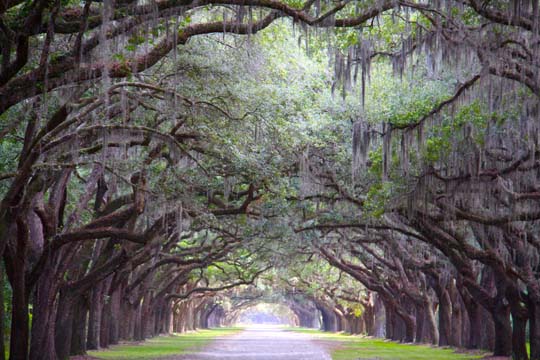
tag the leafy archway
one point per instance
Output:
(374, 160)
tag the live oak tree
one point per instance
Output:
(455, 175)
(138, 200)
(157, 154)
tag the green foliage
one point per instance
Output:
(377, 197)
(402, 102)
(448, 136)
(357, 310)
(434, 147)
(247, 109)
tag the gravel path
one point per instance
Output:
(262, 343)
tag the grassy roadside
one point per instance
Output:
(349, 347)
(162, 346)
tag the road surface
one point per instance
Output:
(262, 343)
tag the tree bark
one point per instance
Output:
(115, 311)
(445, 318)
(474, 312)
(329, 319)
(503, 328)
(64, 324)
(78, 336)
(106, 309)
(19, 313)
(519, 337)
(42, 345)
(369, 319)
(390, 320)
(94, 318)
(2, 313)
(456, 338)
(420, 321)
(410, 325)
(534, 336)
(431, 321)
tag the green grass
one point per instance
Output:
(349, 347)
(163, 345)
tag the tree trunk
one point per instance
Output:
(410, 325)
(474, 313)
(475, 320)
(420, 320)
(19, 317)
(105, 326)
(137, 332)
(115, 311)
(445, 317)
(168, 319)
(390, 322)
(143, 319)
(534, 328)
(127, 332)
(378, 318)
(519, 323)
(519, 338)
(42, 345)
(369, 320)
(329, 319)
(342, 323)
(64, 325)
(488, 330)
(2, 313)
(94, 318)
(78, 336)
(503, 329)
(456, 318)
(399, 328)
(431, 322)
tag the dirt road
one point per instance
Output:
(262, 343)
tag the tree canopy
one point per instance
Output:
(372, 165)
